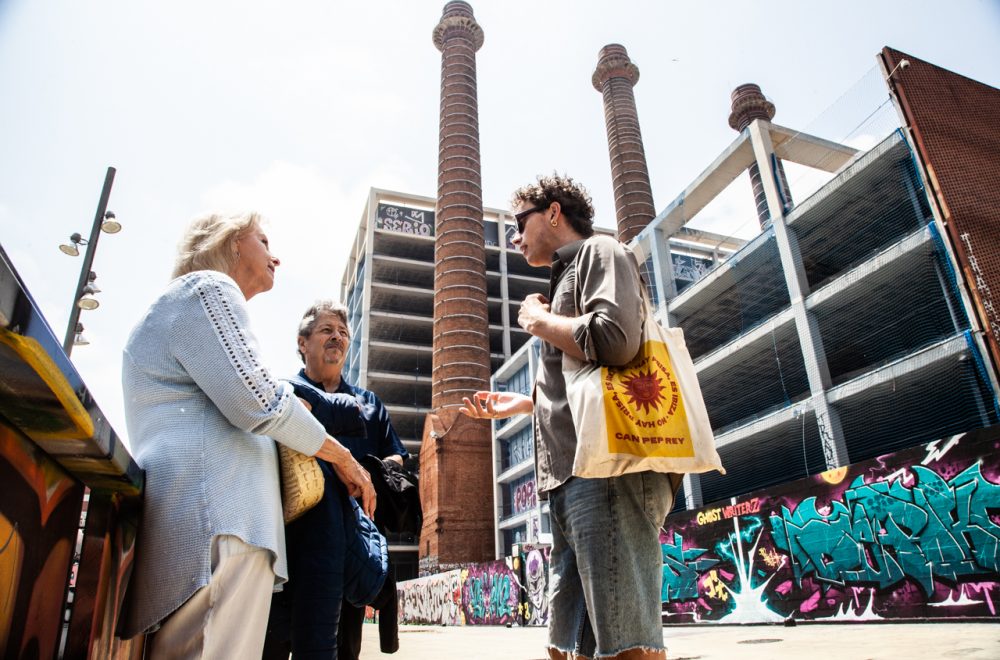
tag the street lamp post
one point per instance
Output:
(88, 261)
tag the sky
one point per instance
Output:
(296, 109)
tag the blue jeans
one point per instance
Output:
(606, 565)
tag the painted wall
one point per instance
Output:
(508, 592)
(435, 599)
(39, 518)
(910, 535)
(534, 564)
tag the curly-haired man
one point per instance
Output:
(605, 566)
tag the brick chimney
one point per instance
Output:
(455, 457)
(749, 104)
(614, 78)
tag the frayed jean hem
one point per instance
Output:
(630, 653)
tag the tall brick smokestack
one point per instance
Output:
(456, 484)
(461, 362)
(749, 104)
(614, 78)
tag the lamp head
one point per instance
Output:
(78, 338)
(90, 288)
(903, 64)
(72, 248)
(88, 302)
(110, 224)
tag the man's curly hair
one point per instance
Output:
(573, 198)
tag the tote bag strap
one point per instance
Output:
(648, 313)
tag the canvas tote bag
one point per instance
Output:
(646, 416)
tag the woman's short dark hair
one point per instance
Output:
(573, 198)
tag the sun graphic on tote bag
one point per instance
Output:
(644, 411)
(644, 390)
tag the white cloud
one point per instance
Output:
(311, 222)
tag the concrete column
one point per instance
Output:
(614, 78)
(369, 257)
(748, 104)
(830, 430)
(693, 498)
(504, 287)
(663, 266)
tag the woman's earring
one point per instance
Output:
(553, 222)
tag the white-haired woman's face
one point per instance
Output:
(255, 265)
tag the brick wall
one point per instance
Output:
(455, 458)
(954, 123)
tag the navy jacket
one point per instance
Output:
(306, 614)
(345, 411)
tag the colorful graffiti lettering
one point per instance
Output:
(434, 599)
(714, 588)
(681, 569)
(729, 511)
(490, 594)
(770, 557)
(914, 534)
(511, 591)
(883, 532)
(524, 496)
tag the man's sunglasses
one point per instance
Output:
(521, 217)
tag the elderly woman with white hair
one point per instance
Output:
(203, 414)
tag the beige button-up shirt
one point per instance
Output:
(596, 282)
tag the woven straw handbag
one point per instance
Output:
(301, 482)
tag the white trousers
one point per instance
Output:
(227, 618)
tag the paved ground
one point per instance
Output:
(882, 641)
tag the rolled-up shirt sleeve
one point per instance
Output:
(609, 327)
(213, 343)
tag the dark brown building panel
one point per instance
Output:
(954, 123)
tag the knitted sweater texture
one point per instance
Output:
(203, 414)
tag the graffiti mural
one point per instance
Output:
(534, 565)
(506, 592)
(39, 518)
(435, 599)
(914, 534)
(490, 594)
(523, 496)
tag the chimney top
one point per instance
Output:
(457, 18)
(749, 104)
(457, 8)
(613, 62)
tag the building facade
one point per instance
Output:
(388, 287)
(844, 331)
